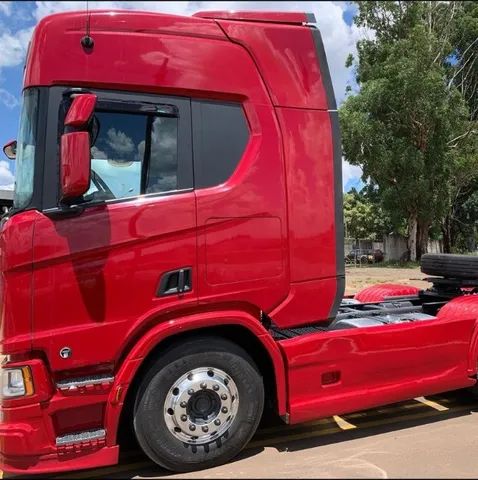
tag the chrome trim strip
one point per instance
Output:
(84, 381)
(80, 437)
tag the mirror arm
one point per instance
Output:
(64, 211)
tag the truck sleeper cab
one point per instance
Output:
(173, 261)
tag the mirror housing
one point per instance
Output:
(10, 149)
(75, 164)
(81, 110)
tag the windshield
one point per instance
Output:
(26, 142)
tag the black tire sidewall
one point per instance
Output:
(450, 265)
(151, 429)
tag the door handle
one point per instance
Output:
(175, 282)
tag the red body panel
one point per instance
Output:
(242, 224)
(307, 135)
(103, 267)
(295, 67)
(377, 365)
(158, 61)
(16, 238)
(262, 245)
(378, 293)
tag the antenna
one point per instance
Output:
(87, 41)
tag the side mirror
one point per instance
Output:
(81, 110)
(10, 150)
(75, 164)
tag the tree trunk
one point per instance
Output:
(446, 230)
(412, 237)
(422, 238)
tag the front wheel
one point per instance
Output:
(198, 405)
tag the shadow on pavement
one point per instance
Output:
(273, 433)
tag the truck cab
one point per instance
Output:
(173, 260)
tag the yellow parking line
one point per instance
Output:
(432, 404)
(289, 428)
(270, 442)
(343, 424)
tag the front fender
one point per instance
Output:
(465, 308)
(160, 332)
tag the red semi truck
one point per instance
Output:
(173, 262)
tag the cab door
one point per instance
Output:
(110, 265)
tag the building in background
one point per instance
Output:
(6, 200)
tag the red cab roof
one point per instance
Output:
(297, 18)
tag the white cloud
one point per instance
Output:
(6, 176)
(120, 142)
(98, 154)
(9, 100)
(6, 8)
(350, 172)
(14, 47)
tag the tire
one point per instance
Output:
(450, 266)
(212, 360)
(472, 391)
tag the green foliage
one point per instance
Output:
(408, 125)
(364, 217)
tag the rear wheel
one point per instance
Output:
(198, 405)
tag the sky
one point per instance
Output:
(18, 19)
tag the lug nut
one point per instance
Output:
(203, 385)
(184, 418)
(205, 429)
(215, 388)
(190, 391)
(183, 404)
(224, 409)
(223, 396)
(217, 422)
(192, 427)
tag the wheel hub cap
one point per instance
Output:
(201, 405)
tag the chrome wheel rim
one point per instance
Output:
(201, 405)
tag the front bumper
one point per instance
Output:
(31, 426)
(52, 463)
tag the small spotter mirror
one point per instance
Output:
(81, 110)
(10, 150)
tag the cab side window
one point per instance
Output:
(132, 153)
(220, 136)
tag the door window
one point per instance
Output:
(132, 153)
